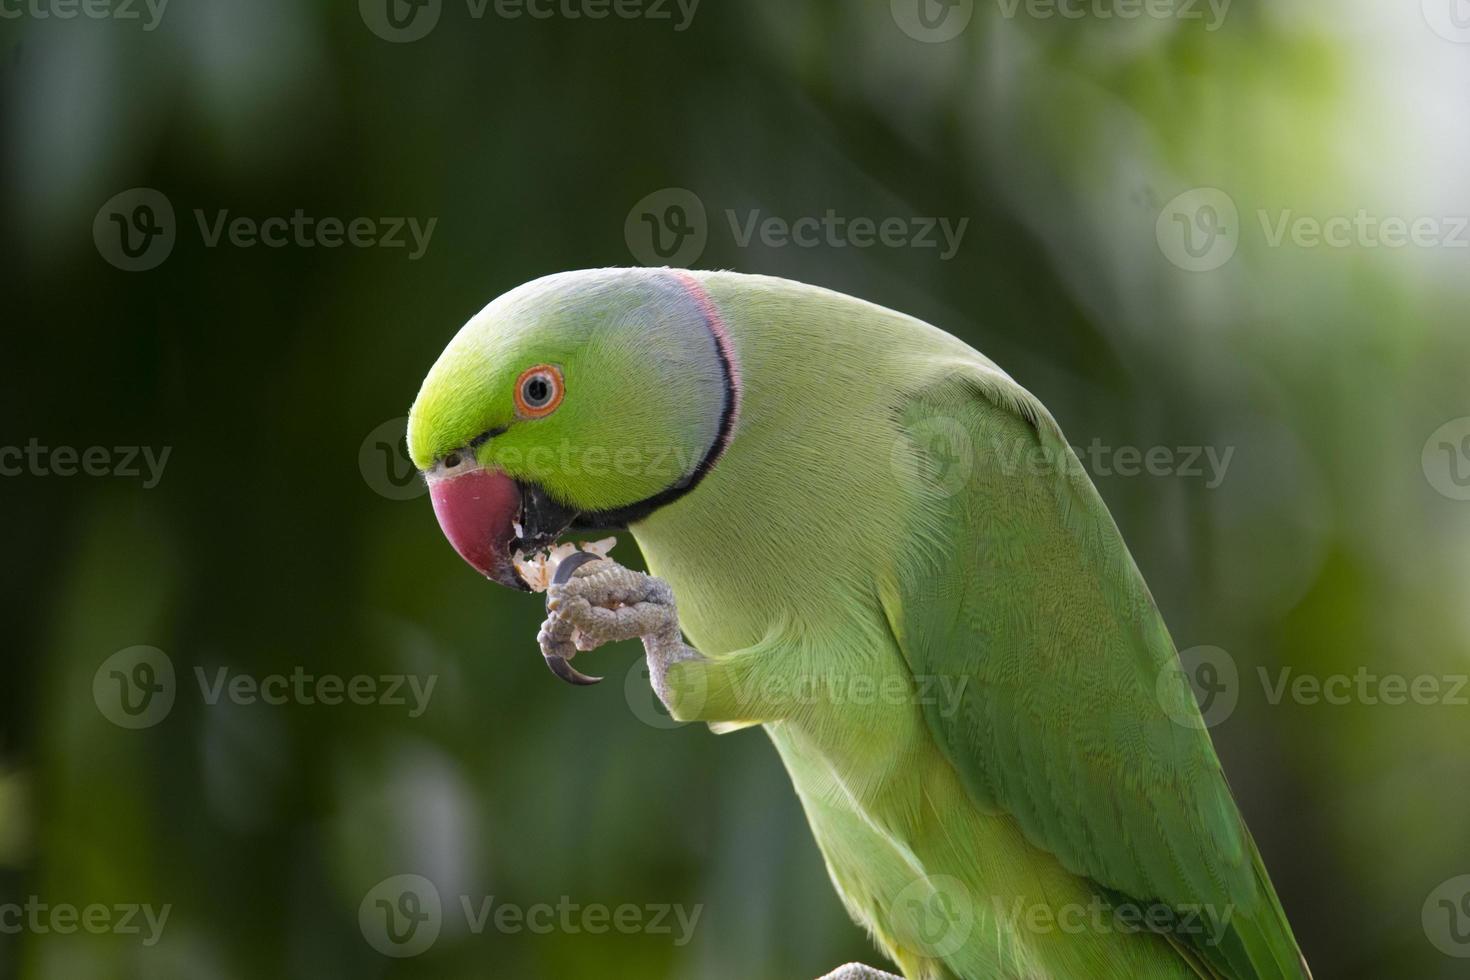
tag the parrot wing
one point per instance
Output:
(1075, 718)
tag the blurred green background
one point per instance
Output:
(280, 534)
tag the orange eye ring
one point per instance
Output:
(539, 390)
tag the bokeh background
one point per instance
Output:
(1123, 179)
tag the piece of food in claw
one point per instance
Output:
(538, 568)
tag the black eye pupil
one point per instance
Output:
(452, 460)
(538, 391)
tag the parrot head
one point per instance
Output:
(575, 402)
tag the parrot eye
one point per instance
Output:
(539, 391)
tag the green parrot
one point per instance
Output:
(884, 552)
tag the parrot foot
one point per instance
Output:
(857, 971)
(598, 601)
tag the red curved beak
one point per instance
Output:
(478, 511)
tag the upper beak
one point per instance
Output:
(478, 510)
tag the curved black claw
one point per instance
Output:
(570, 564)
(562, 668)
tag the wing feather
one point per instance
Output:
(1075, 718)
